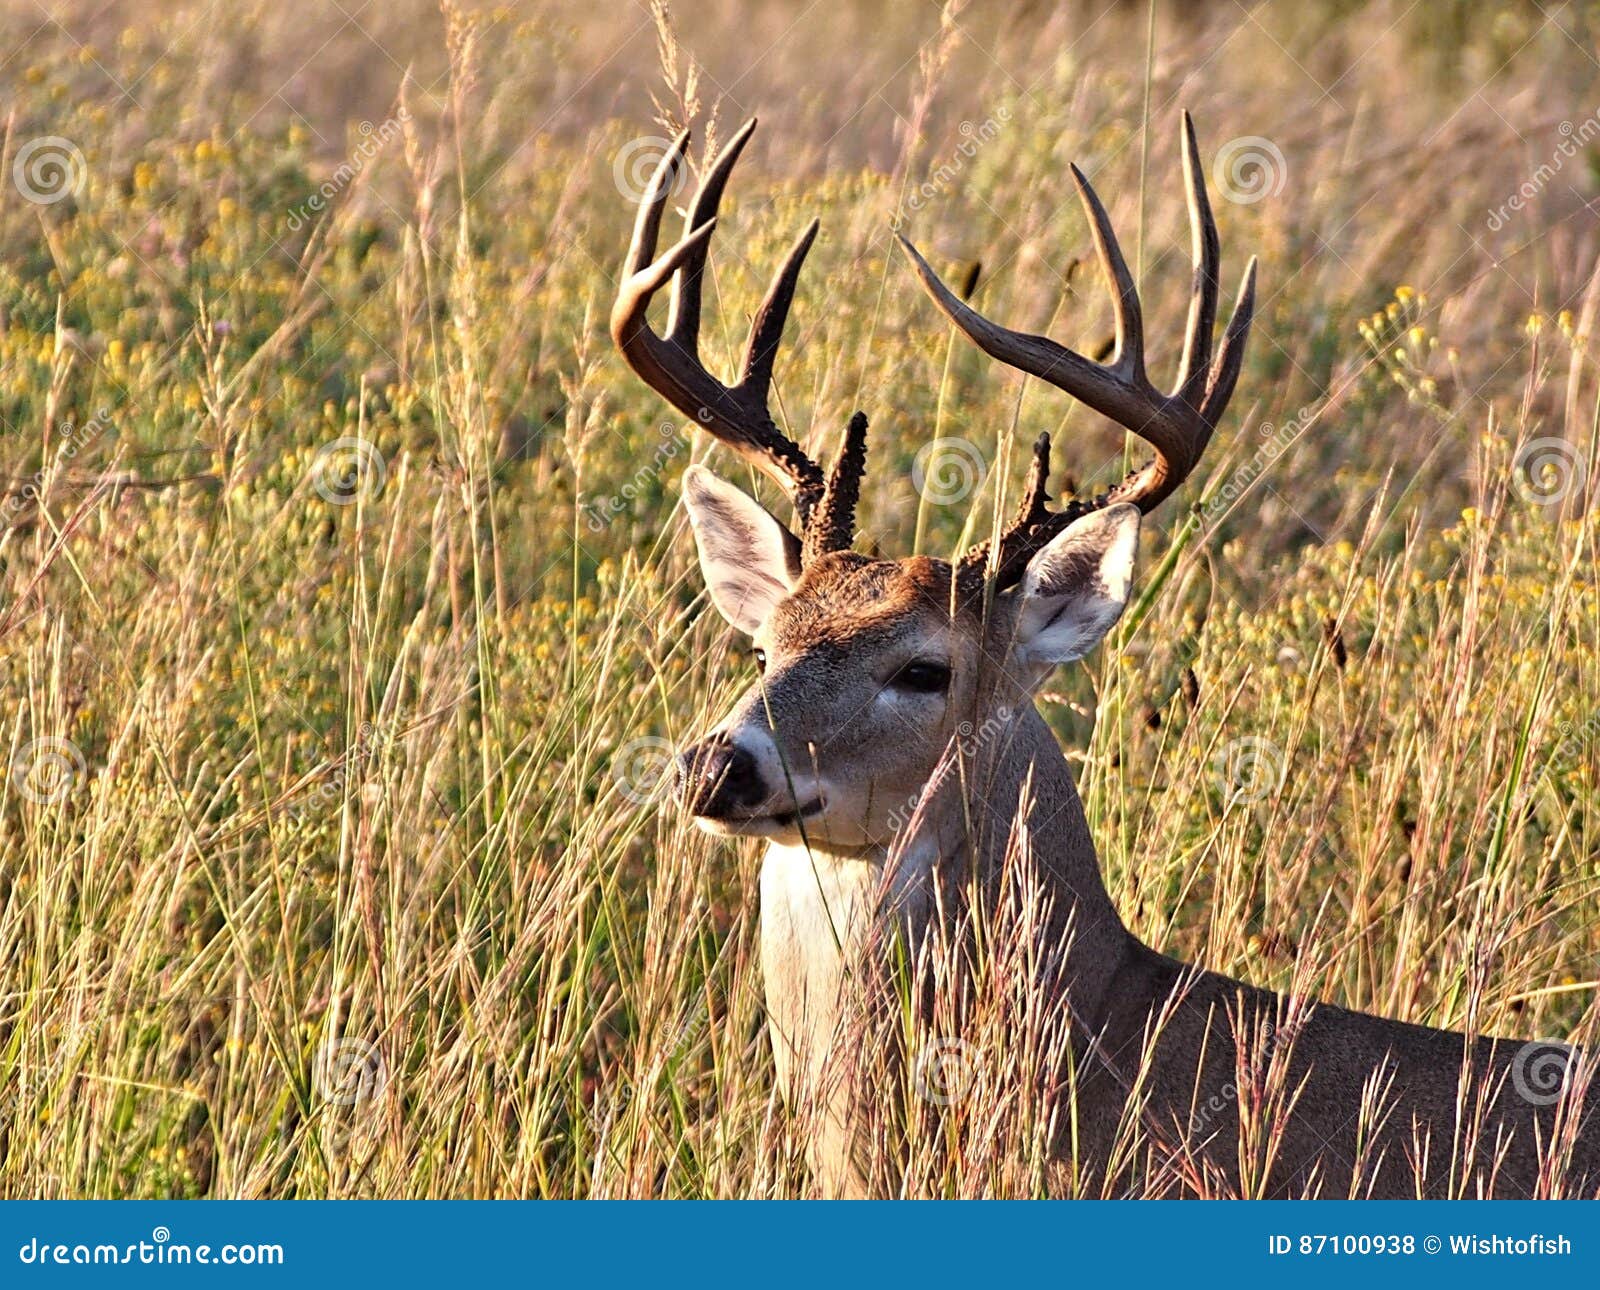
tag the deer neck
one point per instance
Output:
(1005, 783)
(1013, 813)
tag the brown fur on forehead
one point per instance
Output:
(844, 596)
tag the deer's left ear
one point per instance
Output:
(750, 560)
(1075, 589)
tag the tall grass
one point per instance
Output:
(334, 858)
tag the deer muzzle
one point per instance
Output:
(723, 783)
(718, 779)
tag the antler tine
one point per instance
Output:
(1133, 404)
(767, 328)
(1126, 314)
(647, 224)
(1226, 372)
(833, 526)
(1033, 494)
(1036, 355)
(1033, 521)
(1177, 425)
(683, 322)
(1207, 253)
(670, 364)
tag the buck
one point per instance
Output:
(872, 670)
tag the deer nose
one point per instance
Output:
(716, 777)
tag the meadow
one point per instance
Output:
(348, 617)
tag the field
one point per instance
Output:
(349, 615)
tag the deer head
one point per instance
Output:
(870, 667)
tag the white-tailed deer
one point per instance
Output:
(853, 756)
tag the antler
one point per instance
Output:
(1178, 425)
(670, 364)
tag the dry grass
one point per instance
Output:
(351, 784)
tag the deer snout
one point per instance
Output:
(718, 778)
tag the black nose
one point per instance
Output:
(716, 777)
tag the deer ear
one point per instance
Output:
(750, 560)
(1074, 589)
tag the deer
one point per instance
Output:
(872, 668)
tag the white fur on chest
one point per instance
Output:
(815, 912)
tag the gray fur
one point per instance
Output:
(1001, 813)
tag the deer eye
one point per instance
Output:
(760, 656)
(922, 677)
